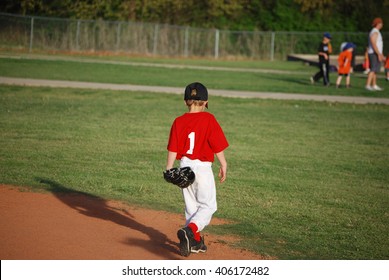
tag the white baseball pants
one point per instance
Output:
(200, 197)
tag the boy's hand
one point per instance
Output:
(222, 173)
(223, 166)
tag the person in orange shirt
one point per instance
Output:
(344, 62)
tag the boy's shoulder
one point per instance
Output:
(342, 54)
(345, 53)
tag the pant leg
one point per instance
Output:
(200, 197)
(326, 73)
(319, 74)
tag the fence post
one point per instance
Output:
(273, 35)
(186, 43)
(31, 33)
(118, 36)
(78, 36)
(217, 35)
(156, 31)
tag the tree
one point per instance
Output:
(273, 15)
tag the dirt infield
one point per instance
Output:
(74, 226)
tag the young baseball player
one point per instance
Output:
(195, 137)
(344, 62)
(324, 51)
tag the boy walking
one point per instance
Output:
(324, 51)
(344, 62)
(195, 137)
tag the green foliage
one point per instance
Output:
(281, 15)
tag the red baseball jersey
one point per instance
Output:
(196, 136)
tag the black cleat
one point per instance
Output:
(186, 236)
(199, 247)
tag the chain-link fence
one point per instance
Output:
(53, 34)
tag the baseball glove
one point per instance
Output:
(181, 177)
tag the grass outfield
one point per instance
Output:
(243, 75)
(307, 180)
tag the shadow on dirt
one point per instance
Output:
(96, 207)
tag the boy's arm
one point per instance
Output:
(171, 157)
(329, 48)
(346, 62)
(324, 55)
(223, 166)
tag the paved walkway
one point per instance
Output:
(175, 90)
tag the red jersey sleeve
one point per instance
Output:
(173, 140)
(217, 139)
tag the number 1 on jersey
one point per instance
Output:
(191, 137)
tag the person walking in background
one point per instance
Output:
(376, 46)
(353, 56)
(324, 51)
(345, 64)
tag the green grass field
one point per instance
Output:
(294, 77)
(307, 180)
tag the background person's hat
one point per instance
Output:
(349, 46)
(327, 35)
(196, 91)
(376, 21)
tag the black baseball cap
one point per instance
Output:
(196, 91)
